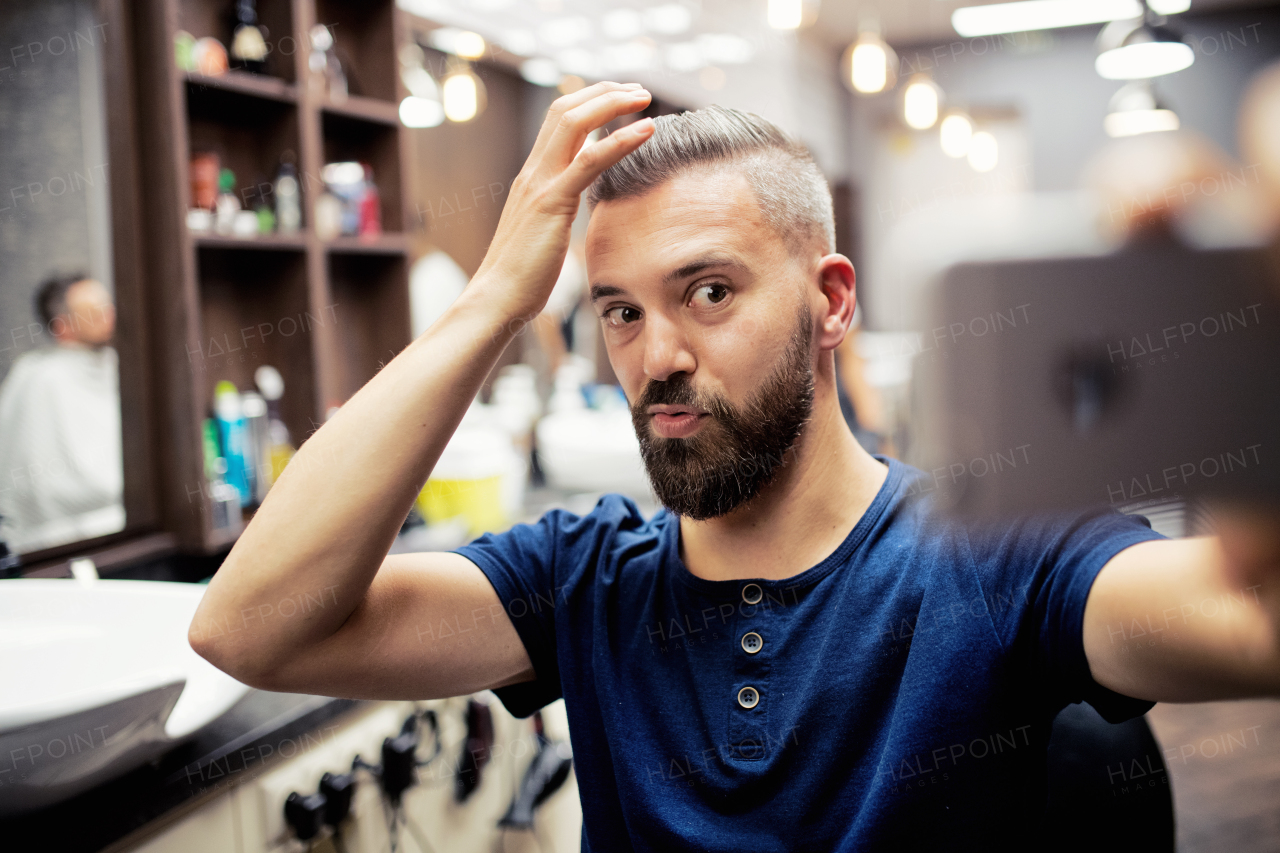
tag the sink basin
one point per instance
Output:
(98, 679)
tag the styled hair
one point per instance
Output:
(792, 192)
(51, 297)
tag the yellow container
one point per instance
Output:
(478, 500)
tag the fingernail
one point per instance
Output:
(631, 86)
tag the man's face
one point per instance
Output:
(91, 316)
(708, 325)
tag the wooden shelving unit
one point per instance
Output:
(327, 314)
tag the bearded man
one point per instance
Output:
(793, 654)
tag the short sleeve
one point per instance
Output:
(520, 563)
(1036, 575)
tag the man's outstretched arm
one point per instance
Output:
(1188, 620)
(320, 538)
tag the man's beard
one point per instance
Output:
(739, 450)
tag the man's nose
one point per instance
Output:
(666, 348)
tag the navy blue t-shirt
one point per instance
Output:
(899, 693)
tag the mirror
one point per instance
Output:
(61, 472)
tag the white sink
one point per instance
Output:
(95, 680)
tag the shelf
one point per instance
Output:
(244, 83)
(366, 109)
(346, 138)
(266, 242)
(364, 37)
(383, 244)
(214, 18)
(371, 317)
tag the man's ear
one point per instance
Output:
(837, 280)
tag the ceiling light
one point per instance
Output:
(421, 112)
(540, 71)
(1135, 109)
(996, 18)
(785, 14)
(463, 95)
(984, 152)
(956, 133)
(416, 78)
(580, 61)
(684, 56)
(920, 102)
(869, 66)
(1137, 50)
(469, 45)
(520, 42)
(562, 32)
(725, 48)
(1168, 7)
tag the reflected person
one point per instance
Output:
(61, 469)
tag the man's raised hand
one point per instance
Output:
(528, 249)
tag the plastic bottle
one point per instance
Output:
(288, 205)
(228, 205)
(231, 432)
(370, 206)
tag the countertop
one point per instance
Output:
(262, 729)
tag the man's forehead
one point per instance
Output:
(690, 212)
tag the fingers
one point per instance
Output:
(556, 115)
(601, 155)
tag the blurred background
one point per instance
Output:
(220, 218)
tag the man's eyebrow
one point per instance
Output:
(600, 291)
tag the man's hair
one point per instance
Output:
(792, 192)
(51, 297)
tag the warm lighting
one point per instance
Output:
(463, 96)
(1135, 110)
(421, 112)
(920, 103)
(996, 18)
(785, 14)
(956, 133)
(984, 153)
(469, 45)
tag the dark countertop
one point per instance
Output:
(259, 731)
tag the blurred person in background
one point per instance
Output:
(61, 466)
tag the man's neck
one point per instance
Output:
(827, 482)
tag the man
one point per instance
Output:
(61, 466)
(791, 655)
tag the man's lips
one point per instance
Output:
(671, 421)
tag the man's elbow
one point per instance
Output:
(236, 660)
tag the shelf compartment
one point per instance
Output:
(371, 305)
(254, 311)
(364, 36)
(250, 134)
(216, 18)
(349, 138)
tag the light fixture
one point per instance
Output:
(1168, 7)
(1135, 109)
(996, 18)
(785, 14)
(462, 94)
(920, 102)
(984, 152)
(1133, 50)
(869, 66)
(469, 45)
(956, 134)
(421, 112)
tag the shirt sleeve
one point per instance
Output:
(521, 564)
(1036, 576)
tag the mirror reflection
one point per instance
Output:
(61, 471)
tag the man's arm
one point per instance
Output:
(317, 547)
(1183, 620)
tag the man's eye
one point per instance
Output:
(620, 315)
(710, 294)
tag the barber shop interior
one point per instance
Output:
(639, 426)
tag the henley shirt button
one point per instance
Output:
(752, 642)
(751, 593)
(748, 697)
